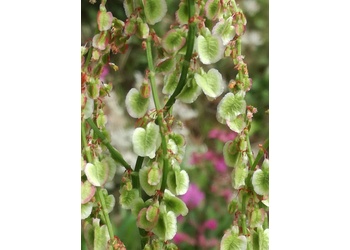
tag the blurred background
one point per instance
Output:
(210, 189)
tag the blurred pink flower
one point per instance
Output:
(193, 197)
(210, 224)
(222, 135)
(216, 159)
(220, 165)
(104, 73)
(182, 237)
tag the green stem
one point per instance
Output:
(249, 152)
(159, 115)
(114, 153)
(152, 74)
(243, 224)
(105, 213)
(83, 138)
(260, 154)
(187, 59)
(135, 178)
(88, 58)
(239, 53)
(234, 5)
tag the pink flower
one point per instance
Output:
(104, 73)
(222, 135)
(182, 237)
(193, 197)
(210, 224)
(220, 165)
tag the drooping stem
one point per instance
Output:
(260, 154)
(187, 59)
(114, 153)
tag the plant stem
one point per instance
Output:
(152, 74)
(99, 190)
(105, 213)
(159, 114)
(88, 58)
(260, 154)
(234, 5)
(114, 153)
(249, 152)
(187, 59)
(83, 138)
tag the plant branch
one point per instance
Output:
(249, 152)
(105, 213)
(114, 153)
(260, 154)
(187, 59)
(85, 146)
(159, 114)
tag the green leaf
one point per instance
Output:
(88, 108)
(260, 180)
(210, 48)
(170, 83)
(212, 8)
(110, 164)
(128, 7)
(145, 140)
(109, 201)
(190, 92)
(167, 226)
(93, 88)
(181, 14)
(152, 212)
(231, 105)
(154, 10)
(165, 65)
(225, 30)
(96, 173)
(137, 205)
(101, 119)
(127, 197)
(266, 202)
(100, 41)
(88, 231)
(210, 82)
(101, 238)
(257, 217)
(174, 204)
(86, 210)
(143, 222)
(239, 174)
(232, 241)
(87, 192)
(136, 105)
(149, 189)
(178, 180)
(263, 238)
(179, 139)
(173, 40)
(104, 20)
(182, 182)
(232, 155)
(154, 175)
(237, 124)
(142, 30)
